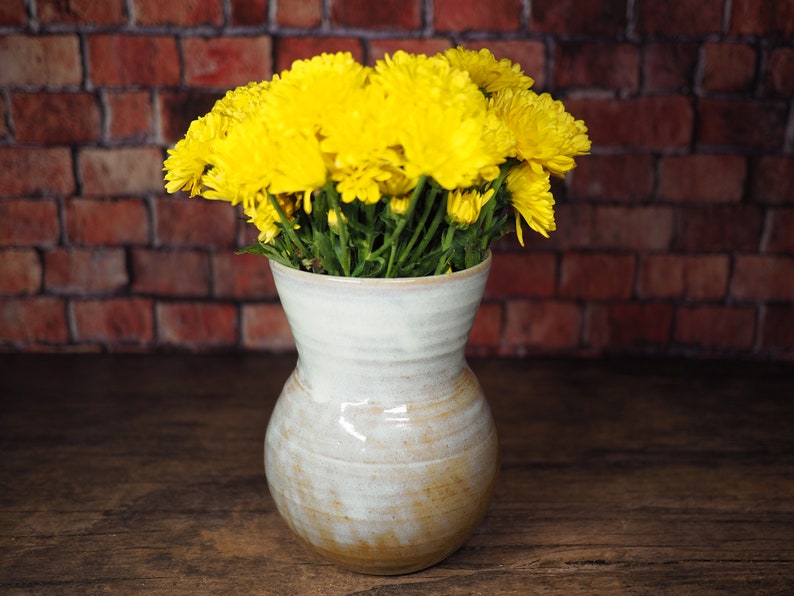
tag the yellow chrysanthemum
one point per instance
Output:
(189, 158)
(301, 97)
(331, 128)
(397, 184)
(442, 117)
(399, 205)
(464, 206)
(530, 195)
(300, 167)
(359, 141)
(333, 220)
(544, 132)
(264, 216)
(242, 164)
(251, 160)
(242, 101)
(361, 183)
(487, 72)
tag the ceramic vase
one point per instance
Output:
(381, 453)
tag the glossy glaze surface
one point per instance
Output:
(381, 453)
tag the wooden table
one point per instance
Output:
(143, 474)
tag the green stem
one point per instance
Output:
(390, 266)
(431, 232)
(446, 246)
(497, 186)
(344, 253)
(287, 225)
(365, 255)
(420, 225)
(387, 243)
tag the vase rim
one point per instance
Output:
(456, 275)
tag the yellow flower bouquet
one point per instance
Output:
(413, 167)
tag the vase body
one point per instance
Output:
(381, 453)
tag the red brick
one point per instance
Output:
(13, 13)
(247, 233)
(300, 13)
(603, 18)
(669, 66)
(20, 272)
(622, 326)
(29, 222)
(130, 115)
(718, 227)
(778, 73)
(621, 177)
(36, 170)
(702, 178)
(522, 274)
(290, 49)
(51, 60)
(195, 222)
(746, 124)
(114, 320)
(662, 276)
(4, 130)
(635, 227)
(265, 327)
(179, 109)
(778, 327)
(664, 122)
(728, 66)
(170, 273)
(81, 12)
(706, 277)
(574, 230)
(84, 271)
(698, 277)
(385, 14)
(772, 181)
(196, 325)
(597, 276)
(487, 329)
(131, 60)
(604, 65)
(542, 324)
(251, 12)
(763, 278)
(764, 19)
(56, 117)
(780, 237)
(109, 222)
(225, 62)
(471, 15)
(185, 13)
(717, 327)
(529, 54)
(679, 18)
(32, 320)
(121, 171)
(378, 48)
(242, 276)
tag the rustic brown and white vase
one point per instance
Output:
(381, 453)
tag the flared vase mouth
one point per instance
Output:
(478, 269)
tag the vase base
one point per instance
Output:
(368, 560)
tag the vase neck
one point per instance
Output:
(404, 334)
(404, 355)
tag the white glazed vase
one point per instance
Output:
(381, 453)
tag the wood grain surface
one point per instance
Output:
(144, 474)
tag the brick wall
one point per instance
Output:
(675, 237)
